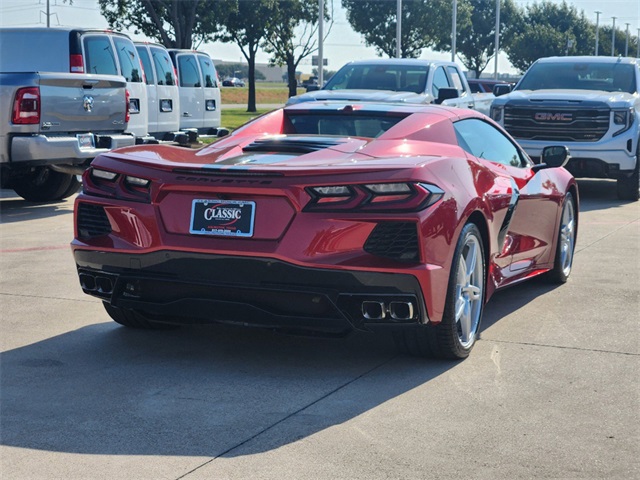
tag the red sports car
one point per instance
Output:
(327, 217)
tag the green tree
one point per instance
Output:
(476, 29)
(293, 36)
(247, 23)
(605, 42)
(173, 23)
(423, 24)
(548, 29)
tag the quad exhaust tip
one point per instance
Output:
(372, 310)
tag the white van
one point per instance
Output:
(199, 91)
(82, 50)
(162, 90)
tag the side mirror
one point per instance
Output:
(313, 88)
(446, 94)
(553, 157)
(501, 89)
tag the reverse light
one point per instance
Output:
(137, 182)
(103, 174)
(389, 188)
(339, 191)
(624, 118)
(26, 106)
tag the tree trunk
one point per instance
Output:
(291, 76)
(251, 101)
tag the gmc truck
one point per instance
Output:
(589, 104)
(400, 80)
(53, 125)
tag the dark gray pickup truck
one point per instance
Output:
(53, 125)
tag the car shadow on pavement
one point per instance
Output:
(108, 390)
(15, 209)
(598, 194)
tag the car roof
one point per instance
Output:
(587, 58)
(399, 61)
(66, 30)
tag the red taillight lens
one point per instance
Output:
(26, 106)
(76, 64)
(127, 98)
(377, 197)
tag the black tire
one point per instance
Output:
(629, 187)
(566, 243)
(447, 339)
(74, 186)
(134, 319)
(43, 185)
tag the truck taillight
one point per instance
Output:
(76, 64)
(26, 106)
(127, 98)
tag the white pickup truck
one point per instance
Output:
(589, 104)
(400, 80)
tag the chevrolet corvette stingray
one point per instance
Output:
(327, 217)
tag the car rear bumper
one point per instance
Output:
(33, 148)
(183, 287)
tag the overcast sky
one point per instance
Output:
(342, 45)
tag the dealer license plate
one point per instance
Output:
(85, 140)
(228, 218)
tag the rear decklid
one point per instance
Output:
(76, 103)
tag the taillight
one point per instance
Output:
(26, 106)
(76, 64)
(376, 197)
(127, 99)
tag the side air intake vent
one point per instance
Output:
(292, 144)
(395, 240)
(92, 221)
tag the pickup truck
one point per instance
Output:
(589, 104)
(400, 80)
(54, 125)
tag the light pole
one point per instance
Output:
(598, 12)
(399, 29)
(454, 33)
(497, 40)
(320, 41)
(626, 42)
(613, 37)
(638, 45)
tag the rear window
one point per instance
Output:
(209, 71)
(401, 78)
(609, 77)
(163, 65)
(129, 61)
(368, 125)
(146, 64)
(99, 55)
(188, 71)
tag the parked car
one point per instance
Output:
(199, 91)
(162, 90)
(399, 80)
(329, 217)
(232, 82)
(590, 104)
(483, 85)
(80, 50)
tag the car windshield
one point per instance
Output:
(398, 78)
(609, 77)
(356, 124)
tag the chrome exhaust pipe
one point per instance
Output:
(104, 284)
(401, 310)
(373, 310)
(87, 282)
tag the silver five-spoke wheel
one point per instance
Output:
(469, 291)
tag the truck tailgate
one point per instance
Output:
(73, 102)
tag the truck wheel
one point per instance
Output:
(43, 185)
(629, 187)
(454, 337)
(134, 319)
(74, 186)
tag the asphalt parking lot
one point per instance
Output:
(551, 390)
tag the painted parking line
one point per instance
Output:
(34, 249)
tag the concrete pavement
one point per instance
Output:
(550, 391)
